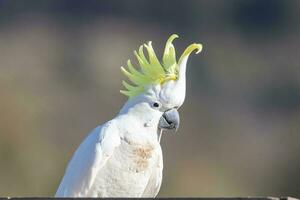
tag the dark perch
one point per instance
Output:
(203, 198)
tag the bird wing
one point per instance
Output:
(88, 159)
(155, 179)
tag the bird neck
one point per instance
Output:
(141, 116)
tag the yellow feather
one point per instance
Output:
(152, 70)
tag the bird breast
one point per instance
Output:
(142, 157)
(128, 171)
(140, 154)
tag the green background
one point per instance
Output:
(60, 77)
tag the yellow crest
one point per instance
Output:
(151, 70)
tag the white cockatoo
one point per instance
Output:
(123, 157)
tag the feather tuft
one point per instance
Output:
(152, 71)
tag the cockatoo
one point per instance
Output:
(123, 157)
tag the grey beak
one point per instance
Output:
(169, 120)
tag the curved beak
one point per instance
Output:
(169, 120)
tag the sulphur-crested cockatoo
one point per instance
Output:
(123, 157)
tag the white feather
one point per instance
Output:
(122, 158)
(155, 180)
(88, 159)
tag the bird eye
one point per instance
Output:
(156, 105)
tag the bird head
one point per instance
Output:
(158, 89)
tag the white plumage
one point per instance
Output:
(123, 157)
(116, 160)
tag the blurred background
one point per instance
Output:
(60, 77)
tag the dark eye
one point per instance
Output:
(156, 105)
